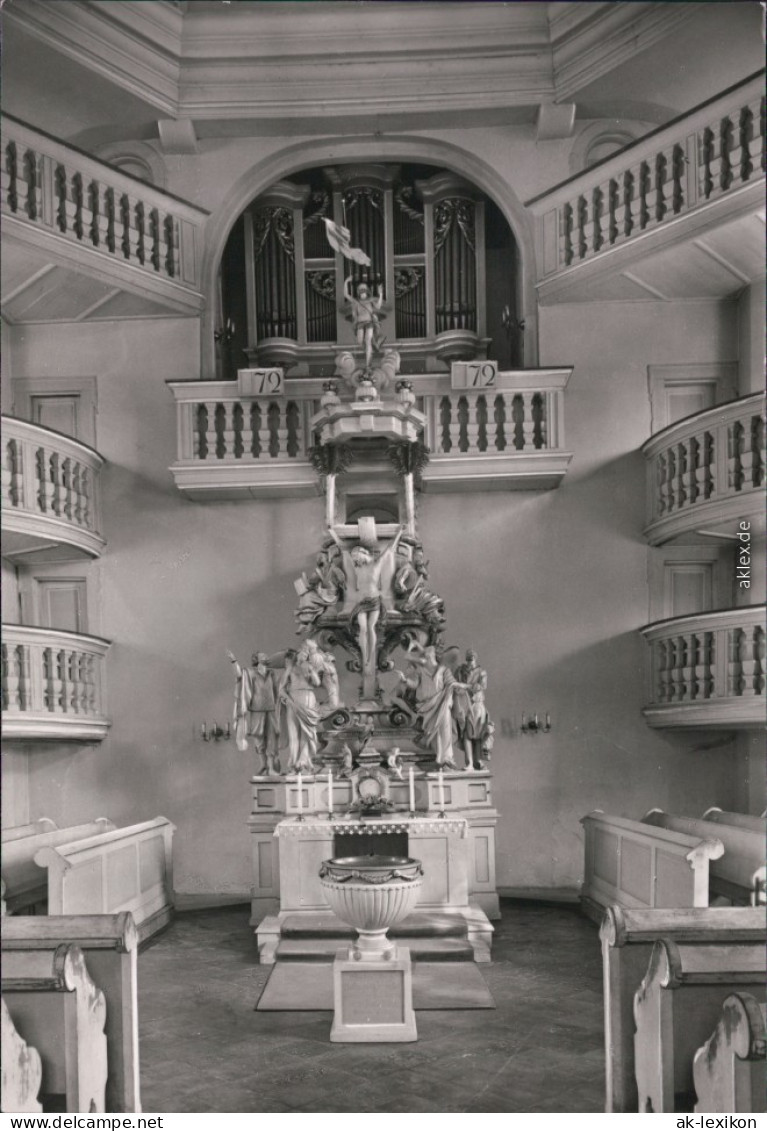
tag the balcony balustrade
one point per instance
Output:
(712, 159)
(507, 437)
(53, 684)
(50, 488)
(62, 204)
(706, 472)
(708, 669)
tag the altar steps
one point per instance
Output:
(430, 936)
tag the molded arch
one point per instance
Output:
(424, 150)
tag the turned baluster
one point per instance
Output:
(661, 484)
(545, 400)
(68, 202)
(665, 660)
(282, 430)
(264, 431)
(110, 218)
(528, 422)
(13, 474)
(759, 650)
(227, 431)
(140, 223)
(627, 196)
(708, 165)
(689, 481)
(690, 664)
(704, 465)
(598, 197)
(72, 682)
(86, 513)
(645, 193)
(66, 487)
(671, 492)
(679, 644)
(9, 177)
(171, 263)
(661, 176)
(584, 228)
(62, 673)
(11, 701)
(757, 450)
(32, 185)
(734, 456)
(744, 165)
(566, 250)
(748, 663)
(97, 226)
(76, 488)
(704, 679)
(678, 178)
(503, 416)
(211, 440)
(682, 475)
(45, 486)
(454, 425)
(734, 669)
(726, 145)
(472, 424)
(615, 211)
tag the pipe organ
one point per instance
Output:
(426, 242)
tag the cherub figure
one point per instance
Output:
(365, 310)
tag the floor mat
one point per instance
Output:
(436, 985)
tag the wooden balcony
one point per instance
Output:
(508, 438)
(51, 495)
(53, 685)
(674, 215)
(83, 241)
(708, 670)
(705, 474)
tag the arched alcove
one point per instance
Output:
(288, 165)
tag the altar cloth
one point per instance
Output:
(308, 986)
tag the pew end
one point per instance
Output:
(21, 1071)
(728, 1070)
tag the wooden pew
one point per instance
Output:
(677, 1006)
(110, 946)
(739, 820)
(728, 1071)
(25, 882)
(59, 1010)
(21, 1070)
(17, 832)
(739, 874)
(627, 937)
(127, 869)
(637, 865)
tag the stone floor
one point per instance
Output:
(205, 1049)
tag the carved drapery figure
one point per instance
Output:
(296, 696)
(475, 730)
(255, 711)
(434, 685)
(412, 594)
(318, 592)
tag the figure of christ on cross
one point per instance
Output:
(365, 592)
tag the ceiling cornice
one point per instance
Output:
(135, 45)
(590, 40)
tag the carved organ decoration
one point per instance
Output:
(425, 240)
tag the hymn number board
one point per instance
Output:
(261, 382)
(473, 374)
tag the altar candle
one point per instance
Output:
(330, 793)
(300, 796)
(441, 790)
(411, 785)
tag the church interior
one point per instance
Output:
(383, 550)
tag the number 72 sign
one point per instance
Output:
(473, 374)
(260, 382)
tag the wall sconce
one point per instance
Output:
(531, 724)
(215, 732)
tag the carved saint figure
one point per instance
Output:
(364, 586)
(434, 685)
(412, 593)
(318, 592)
(324, 664)
(365, 309)
(296, 694)
(475, 730)
(255, 711)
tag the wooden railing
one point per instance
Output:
(694, 161)
(706, 468)
(230, 444)
(50, 487)
(53, 684)
(51, 186)
(708, 669)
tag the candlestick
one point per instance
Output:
(330, 793)
(300, 799)
(411, 789)
(441, 786)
